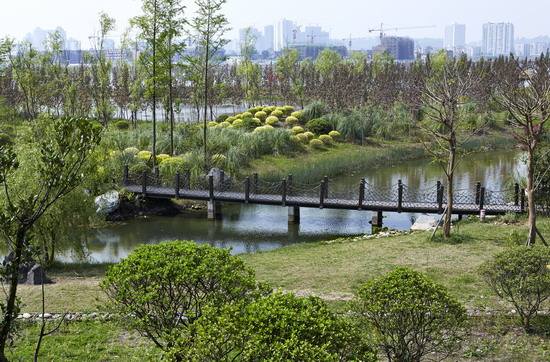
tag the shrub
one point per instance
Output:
(162, 157)
(326, 139)
(297, 114)
(309, 135)
(224, 124)
(231, 119)
(238, 123)
(277, 113)
(335, 135)
(212, 124)
(303, 138)
(268, 110)
(139, 168)
(246, 115)
(130, 151)
(288, 109)
(412, 317)
(170, 166)
(122, 125)
(166, 287)
(261, 115)
(279, 327)
(251, 123)
(265, 128)
(222, 118)
(218, 160)
(317, 144)
(272, 120)
(319, 126)
(297, 130)
(144, 156)
(313, 111)
(521, 276)
(292, 121)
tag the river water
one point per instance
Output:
(252, 228)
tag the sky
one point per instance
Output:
(341, 17)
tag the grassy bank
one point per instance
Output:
(344, 158)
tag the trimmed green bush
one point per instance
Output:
(212, 124)
(130, 151)
(246, 115)
(319, 126)
(272, 120)
(326, 139)
(288, 109)
(277, 113)
(297, 130)
(335, 135)
(297, 114)
(238, 123)
(139, 168)
(162, 157)
(251, 123)
(261, 115)
(122, 125)
(170, 166)
(144, 156)
(317, 144)
(521, 276)
(166, 287)
(303, 138)
(309, 135)
(265, 128)
(231, 119)
(222, 118)
(224, 124)
(292, 121)
(412, 316)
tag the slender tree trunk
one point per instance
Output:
(450, 188)
(9, 314)
(206, 64)
(531, 239)
(170, 97)
(155, 87)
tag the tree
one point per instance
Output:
(208, 28)
(60, 148)
(411, 315)
(520, 276)
(327, 61)
(449, 84)
(101, 70)
(166, 287)
(249, 72)
(523, 90)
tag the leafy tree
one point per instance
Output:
(166, 287)
(249, 72)
(327, 61)
(523, 90)
(287, 69)
(208, 28)
(520, 276)
(60, 149)
(412, 316)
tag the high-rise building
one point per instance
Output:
(455, 37)
(498, 39)
(286, 33)
(269, 37)
(316, 35)
(398, 47)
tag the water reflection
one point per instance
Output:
(251, 228)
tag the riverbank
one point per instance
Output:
(329, 269)
(346, 158)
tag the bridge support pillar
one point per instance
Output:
(293, 215)
(214, 210)
(377, 222)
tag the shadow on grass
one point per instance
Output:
(79, 269)
(455, 238)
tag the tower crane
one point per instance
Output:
(382, 30)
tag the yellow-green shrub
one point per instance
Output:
(326, 139)
(144, 155)
(212, 124)
(303, 138)
(246, 115)
(130, 151)
(225, 124)
(272, 120)
(277, 113)
(335, 135)
(265, 128)
(162, 157)
(298, 114)
(309, 135)
(297, 130)
(238, 123)
(261, 115)
(316, 144)
(292, 121)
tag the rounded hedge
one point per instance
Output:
(139, 168)
(170, 166)
(265, 128)
(292, 121)
(277, 113)
(122, 125)
(224, 124)
(297, 130)
(319, 126)
(272, 120)
(252, 123)
(309, 135)
(231, 119)
(238, 123)
(326, 139)
(303, 138)
(247, 115)
(166, 287)
(297, 114)
(222, 118)
(261, 115)
(288, 109)
(411, 315)
(316, 143)
(162, 157)
(212, 124)
(335, 135)
(144, 155)
(130, 151)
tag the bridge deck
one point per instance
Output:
(314, 202)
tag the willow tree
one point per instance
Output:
(523, 90)
(448, 86)
(208, 29)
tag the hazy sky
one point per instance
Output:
(341, 17)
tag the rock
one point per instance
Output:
(107, 203)
(424, 223)
(37, 276)
(27, 316)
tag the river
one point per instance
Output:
(252, 228)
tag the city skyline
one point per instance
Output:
(341, 19)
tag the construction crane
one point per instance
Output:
(382, 30)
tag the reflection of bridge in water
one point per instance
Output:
(294, 195)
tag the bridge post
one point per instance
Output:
(399, 196)
(211, 187)
(294, 215)
(325, 179)
(255, 182)
(283, 193)
(177, 184)
(377, 222)
(478, 192)
(481, 198)
(322, 195)
(144, 183)
(361, 193)
(522, 200)
(516, 194)
(214, 208)
(247, 190)
(126, 175)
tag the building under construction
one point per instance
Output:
(400, 48)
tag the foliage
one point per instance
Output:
(316, 143)
(122, 125)
(297, 130)
(313, 111)
(292, 121)
(326, 139)
(412, 316)
(319, 126)
(335, 135)
(521, 276)
(272, 120)
(261, 115)
(166, 287)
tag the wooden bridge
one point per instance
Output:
(287, 193)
